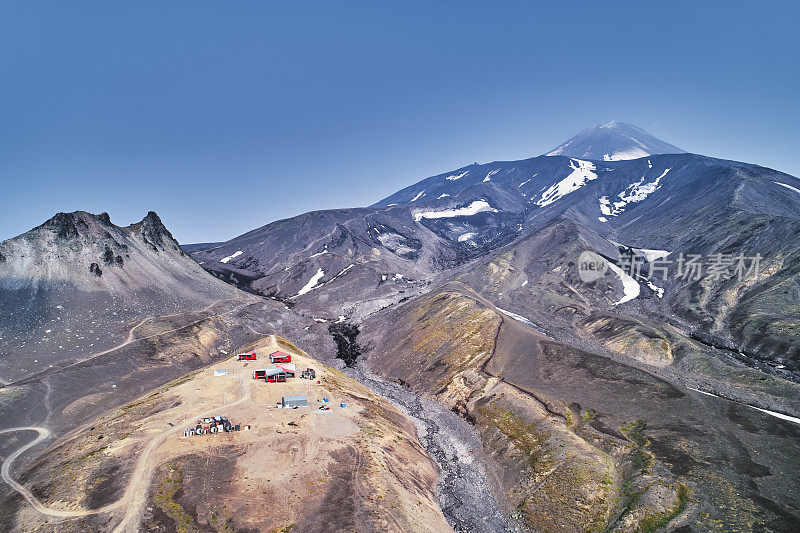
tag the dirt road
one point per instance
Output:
(131, 339)
(136, 493)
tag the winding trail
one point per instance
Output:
(135, 495)
(136, 492)
(42, 435)
(132, 339)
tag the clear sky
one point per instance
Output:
(224, 116)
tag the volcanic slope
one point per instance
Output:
(583, 441)
(550, 368)
(667, 207)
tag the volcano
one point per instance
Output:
(613, 141)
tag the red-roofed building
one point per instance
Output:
(289, 369)
(280, 357)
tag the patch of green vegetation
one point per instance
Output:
(654, 522)
(631, 492)
(372, 431)
(568, 415)
(93, 453)
(71, 465)
(642, 457)
(284, 529)
(524, 435)
(456, 334)
(137, 403)
(606, 481)
(332, 380)
(163, 498)
(630, 496)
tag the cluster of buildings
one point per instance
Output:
(281, 369)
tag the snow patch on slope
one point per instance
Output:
(630, 287)
(232, 256)
(633, 153)
(635, 192)
(522, 319)
(788, 186)
(312, 283)
(581, 174)
(395, 243)
(475, 207)
(517, 317)
(341, 273)
(490, 174)
(656, 289)
(418, 196)
(771, 413)
(560, 149)
(651, 255)
(457, 176)
(638, 191)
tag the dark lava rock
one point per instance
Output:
(63, 225)
(94, 268)
(344, 334)
(153, 229)
(155, 234)
(109, 259)
(108, 256)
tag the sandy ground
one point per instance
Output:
(357, 468)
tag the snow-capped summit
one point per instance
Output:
(613, 141)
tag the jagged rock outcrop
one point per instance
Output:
(67, 282)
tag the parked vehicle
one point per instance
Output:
(211, 425)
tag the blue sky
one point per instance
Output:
(224, 116)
